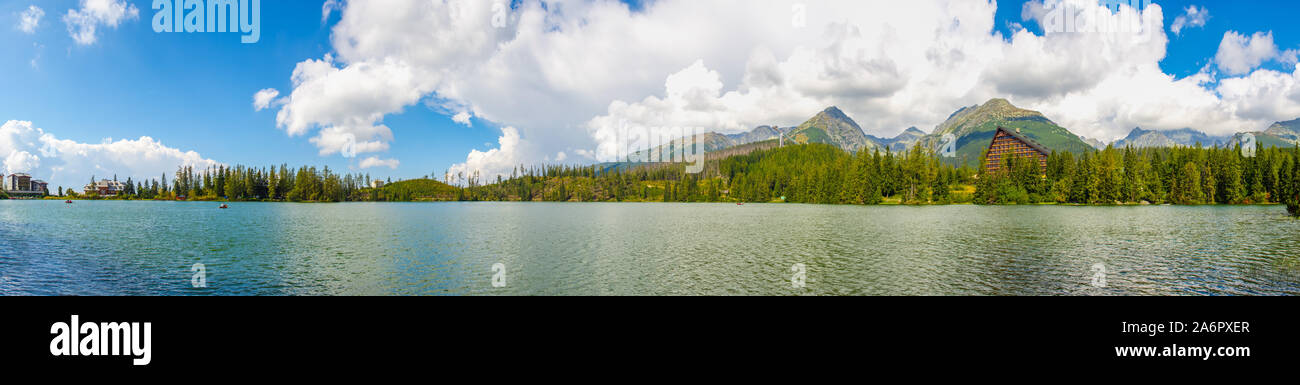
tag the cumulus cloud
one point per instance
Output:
(264, 98)
(1239, 54)
(1264, 95)
(30, 19)
(564, 76)
(28, 149)
(1192, 17)
(487, 162)
(348, 104)
(21, 161)
(916, 72)
(83, 22)
(463, 118)
(374, 161)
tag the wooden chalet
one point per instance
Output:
(1007, 142)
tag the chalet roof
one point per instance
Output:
(1032, 144)
(107, 183)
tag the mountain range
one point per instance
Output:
(712, 141)
(1140, 138)
(974, 127)
(1280, 134)
(901, 142)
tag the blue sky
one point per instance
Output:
(1191, 50)
(193, 92)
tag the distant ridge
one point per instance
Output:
(1097, 144)
(902, 142)
(712, 141)
(1280, 134)
(1186, 137)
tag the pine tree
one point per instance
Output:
(1292, 198)
(1189, 185)
(1108, 177)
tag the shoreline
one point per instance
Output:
(703, 202)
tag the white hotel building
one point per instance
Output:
(20, 183)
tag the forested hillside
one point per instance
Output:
(1181, 175)
(818, 173)
(811, 173)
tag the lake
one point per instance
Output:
(151, 248)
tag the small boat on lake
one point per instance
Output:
(223, 206)
(68, 201)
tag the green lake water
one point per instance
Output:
(150, 248)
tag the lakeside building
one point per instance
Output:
(1007, 142)
(377, 183)
(105, 187)
(18, 182)
(22, 184)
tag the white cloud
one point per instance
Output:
(348, 104)
(889, 77)
(83, 22)
(486, 162)
(1289, 57)
(21, 161)
(328, 8)
(30, 19)
(1239, 54)
(1263, 96)
(264, 98)
(374, 161)
(1192, 17)
(62, 162)
(563, 76)
(1033, 10)
(463, 117)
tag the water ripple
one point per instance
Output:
(147, 248)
